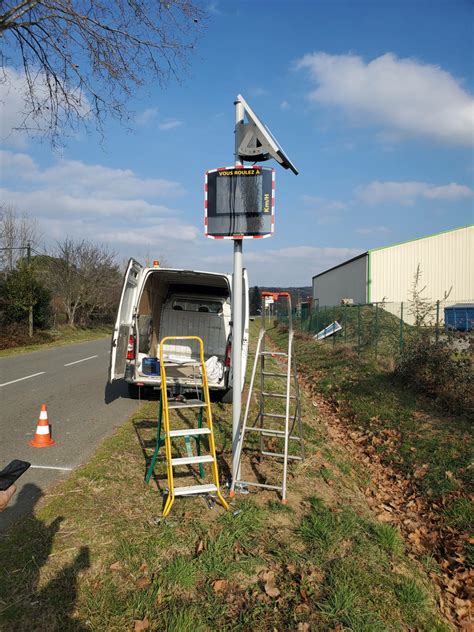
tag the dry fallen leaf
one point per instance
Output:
(144, 568)
(141, 624)
(302, 627)
(199, 547)
(220, 585)
(268, 578)
(143, 582)
(116, 566)
(384, 517)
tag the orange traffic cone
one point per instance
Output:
(42, 438)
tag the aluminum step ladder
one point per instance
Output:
(202, 405)
(290, 426)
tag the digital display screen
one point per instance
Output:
(239, 202)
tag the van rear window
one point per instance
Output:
(197, 305)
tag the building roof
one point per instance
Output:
(339, 265)
(442, 232)
(400, 243)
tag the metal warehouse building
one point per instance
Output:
(386, 274)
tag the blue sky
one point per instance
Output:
(373, 101)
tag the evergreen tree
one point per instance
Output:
(255, 301)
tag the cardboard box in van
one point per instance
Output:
(157, 302)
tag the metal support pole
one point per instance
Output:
(237, 313)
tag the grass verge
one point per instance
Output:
(428, 487)
(97, 554)
(9, 345)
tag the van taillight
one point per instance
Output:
(228, 354)
(131, 348)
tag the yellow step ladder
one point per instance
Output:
(205, 428)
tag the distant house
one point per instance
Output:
(446, 262)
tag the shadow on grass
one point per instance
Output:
(24, 605)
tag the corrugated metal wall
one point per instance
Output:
(346, 281)
(446, 261)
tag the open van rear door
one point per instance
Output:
(118, 354)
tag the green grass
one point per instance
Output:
(54, 338)
(360, 591)
(98, 556)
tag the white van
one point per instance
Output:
(158, 302)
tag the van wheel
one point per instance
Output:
(145, 332)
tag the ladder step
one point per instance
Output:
(190, 460)
(274, 415)
(194, 489)
(189, 432)
(280, 395)
(274, 353)
(188, 403)
(274, 374)
(282, 456)
(272, 433)
(251, 483)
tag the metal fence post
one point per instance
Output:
(376, 329)
(401, 327)
(437, 321)
(358, 328)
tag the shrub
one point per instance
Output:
(440, 371)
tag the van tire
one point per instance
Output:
(145, 332)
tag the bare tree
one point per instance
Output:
(84, 277)
(82, 59)
(16, 232)
(421, 308)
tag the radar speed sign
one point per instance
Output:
(239, 202)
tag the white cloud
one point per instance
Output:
(326, 211)
(284, 105)
(78, 179)
(405, 95)
(145, 117)
(96, 202)
(170, 124)
(406, 193)
(450, 191)
(17, 122)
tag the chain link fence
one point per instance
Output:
(384, 328)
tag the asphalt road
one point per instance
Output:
(82, 409)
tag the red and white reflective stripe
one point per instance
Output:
(273, 202)
(205, 204)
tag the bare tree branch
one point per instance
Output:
(82, 59)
